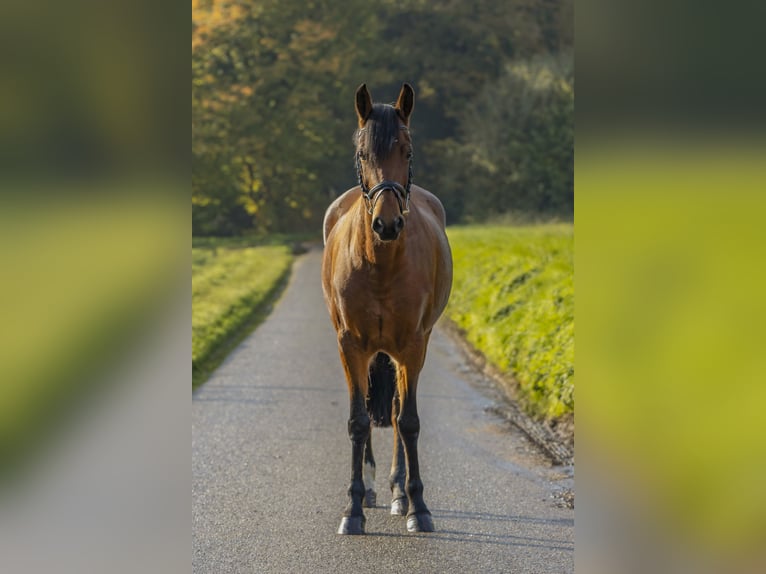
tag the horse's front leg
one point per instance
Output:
(408, 424)
(355, 363)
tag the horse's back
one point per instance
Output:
(433, 204)
(338, 209)
(430, 242)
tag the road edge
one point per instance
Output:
(557, 444)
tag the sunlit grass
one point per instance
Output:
(231, 282)
(671, 283)
(513, 296)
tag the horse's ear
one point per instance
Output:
(405, 103)
(363, 104)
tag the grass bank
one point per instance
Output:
(513, 300)
(233, 281)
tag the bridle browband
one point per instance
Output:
(371, 196)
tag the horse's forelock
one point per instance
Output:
(379, 133)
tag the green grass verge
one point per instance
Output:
(513, 299)
(233, 281)
(671, 283)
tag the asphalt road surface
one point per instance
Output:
(271, 462)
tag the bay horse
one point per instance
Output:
(386, 278)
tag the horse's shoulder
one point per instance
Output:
(338, 209)
(433, 203)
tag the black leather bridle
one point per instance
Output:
(371, 196)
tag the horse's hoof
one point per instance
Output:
(352, 525)
(420, 522)
(370, 498)
(399, 506)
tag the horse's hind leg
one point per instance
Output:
(398, 474)
(355, 365)
(370, 498)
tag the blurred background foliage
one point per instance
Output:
(272, 105)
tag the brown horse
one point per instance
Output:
(386, 276)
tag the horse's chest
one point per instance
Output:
(380, 307)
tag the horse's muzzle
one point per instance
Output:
(388, 231)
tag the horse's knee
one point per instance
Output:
(409, 425)
(414, 487)
(359, 427)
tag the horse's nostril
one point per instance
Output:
(398, 223)
(377, 225)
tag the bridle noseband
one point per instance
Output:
(371, 196)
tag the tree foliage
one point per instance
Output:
(515, 150)
(272, 97)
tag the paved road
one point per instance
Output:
(271, 463)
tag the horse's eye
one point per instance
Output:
(409, 154)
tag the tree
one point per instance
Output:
(516, 150)
(272, 88)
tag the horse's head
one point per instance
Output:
(384, 160)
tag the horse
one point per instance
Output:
(386, 279)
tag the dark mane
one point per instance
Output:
(379, 133)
